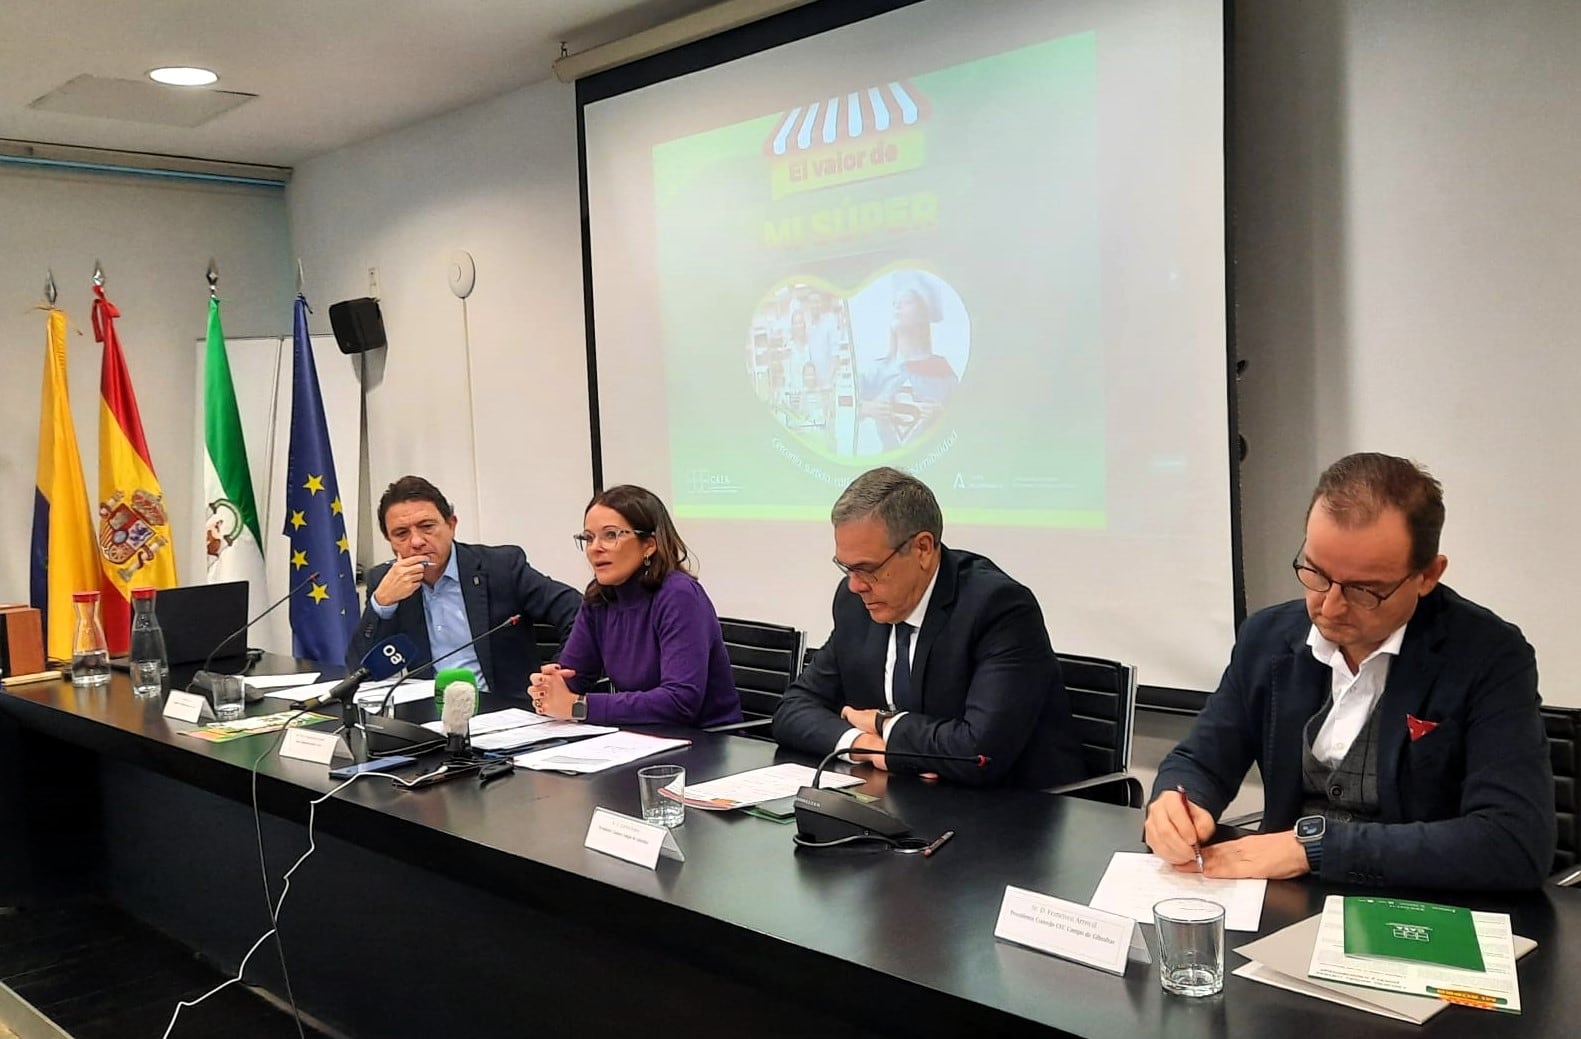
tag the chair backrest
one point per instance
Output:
(1564, 747)
(763, 658)
(1103, 701)
(548, 639)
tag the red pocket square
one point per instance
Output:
(1418, 728)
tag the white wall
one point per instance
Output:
(1408, 184)
(1408, 237)
(498, 179)
(154, 239)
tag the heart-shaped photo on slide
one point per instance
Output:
(863, 374)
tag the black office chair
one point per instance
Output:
(764, 658)
(1564, 726)
(1103, 704)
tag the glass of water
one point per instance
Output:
(662, 787)
(230, 697)
(1190, 946)
(148, 678)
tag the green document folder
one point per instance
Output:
(1404, 930)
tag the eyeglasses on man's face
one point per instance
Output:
(609, 537)
(864, 572)
(1360, 596)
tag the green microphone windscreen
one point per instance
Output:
(453, 674)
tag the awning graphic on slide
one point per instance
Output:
(861, 114)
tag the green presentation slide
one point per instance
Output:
(847, 283)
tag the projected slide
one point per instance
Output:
(901, 272)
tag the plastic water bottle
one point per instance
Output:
(150, 666)
(90, 653)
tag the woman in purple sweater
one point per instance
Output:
(645, 624)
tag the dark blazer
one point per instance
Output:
(1469, 804)
(496, 581)
(987, 677)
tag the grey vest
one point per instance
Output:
(1348, 791)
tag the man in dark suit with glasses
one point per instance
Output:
(934, 651)
(1394, 722)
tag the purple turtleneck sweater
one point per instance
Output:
(662, 653)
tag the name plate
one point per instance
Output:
(188, 707)
(632, 840)
(1069, 930)
(318, 747)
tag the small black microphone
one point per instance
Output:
(383, 660)
(510, 621)
(204, 679)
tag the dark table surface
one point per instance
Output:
(863, 931)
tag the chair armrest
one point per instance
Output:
(749, 724)
(1118, 788)
(1566, 877)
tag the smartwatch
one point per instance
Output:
(1309, 831)
(579, 709)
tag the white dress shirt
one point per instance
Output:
(914, 618)
(1353, 694)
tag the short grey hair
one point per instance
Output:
(902, 501)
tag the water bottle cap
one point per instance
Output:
(142, 593)
(84, 596)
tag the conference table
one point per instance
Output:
(476, 909)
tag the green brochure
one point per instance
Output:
(1419, 931)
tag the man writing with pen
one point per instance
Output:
(1395, 723)
(442, 593)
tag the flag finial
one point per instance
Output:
(50, 292)
(98, 274)
(299, 276)
(213, 277)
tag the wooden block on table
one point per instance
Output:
(21, 640)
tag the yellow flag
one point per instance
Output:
(64, 559)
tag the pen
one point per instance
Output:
(1196, 849)
(937, 843)
(40, 676)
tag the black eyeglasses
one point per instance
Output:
(1362, 598)
(870, 573)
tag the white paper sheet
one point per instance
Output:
(281, 681)
(599, 753)
(515, 727)
(761, 784)
(410, 691)
(1135, 881)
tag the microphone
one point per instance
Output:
(384, 659)
(510, 621)
(204, 678)
(460, 690)
(827, 816)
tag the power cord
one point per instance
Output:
(274, 905)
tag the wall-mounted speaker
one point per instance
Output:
(358, 325)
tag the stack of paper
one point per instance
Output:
(1397, 989)
(761, 784)
(514, 728)
(598, 753)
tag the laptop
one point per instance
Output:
(195, 619)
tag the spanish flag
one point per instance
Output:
(134, 526)
(63, 556)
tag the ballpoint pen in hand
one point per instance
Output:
(1196, 848)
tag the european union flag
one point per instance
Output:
(324, 614)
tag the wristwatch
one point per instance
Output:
(881, 718)
(579, 709)
(1309, 831)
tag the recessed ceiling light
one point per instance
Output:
(183, 76)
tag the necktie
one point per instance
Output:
(900, 685)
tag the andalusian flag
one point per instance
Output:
(64, 558)
(134, 527)
(231, 530)
(323, 615)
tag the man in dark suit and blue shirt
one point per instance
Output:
(934, 651)
(465, 591)
(1394, 722)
